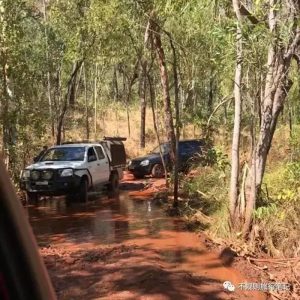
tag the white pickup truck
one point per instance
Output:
(73, 169)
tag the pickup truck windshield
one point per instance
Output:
(64, 154)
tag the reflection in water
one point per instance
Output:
(103, 227)
(149, 206)
(103, 221)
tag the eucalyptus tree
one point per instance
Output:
(235, 153)
(284, 44)
(282, 35)
(21, 77)
(72, 38)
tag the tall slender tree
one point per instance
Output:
(155, 33)
(235, 156)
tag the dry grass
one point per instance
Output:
(280, 150)
(113, 122)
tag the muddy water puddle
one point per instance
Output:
(161, 260)
(102, 221)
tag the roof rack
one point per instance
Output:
(106, 138)
(117, 138)
(77, 142)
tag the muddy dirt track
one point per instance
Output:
(127, 248)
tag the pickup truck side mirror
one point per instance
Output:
(36, 159)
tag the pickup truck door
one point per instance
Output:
(103, 163)
(94, 166)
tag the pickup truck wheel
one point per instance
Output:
(83, 191)
(32, 198)
(158, 171)
(113, 186)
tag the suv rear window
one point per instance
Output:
(163, 147)
(190, 147)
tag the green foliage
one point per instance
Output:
(205, 206)
(42, 49)
(294, 142)
(278, 215)
(207, 190)
(284, 182)
(264, 212)
(219, 158)
(279, 227)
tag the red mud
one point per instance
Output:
(152, 186)
(128, 249)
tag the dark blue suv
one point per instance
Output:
(151, 164)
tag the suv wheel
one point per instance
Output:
(32, 198)
(158, 171)
(113, 186)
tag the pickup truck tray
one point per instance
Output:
(116, 151)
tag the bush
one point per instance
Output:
(204, 198)
(278, 218)
(206, 194)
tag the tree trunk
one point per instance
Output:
(77, 85)
(177, 126)
(210, 94)
(165, 86)
(235, 155)
(69, 94)
(250, 195)
(277, 86)
(95, 102)
(290, 118)
(48, 76)
(152, 101)
(142, 94)
(7, 132)
(4, 105)
(272, 107)
(115, 84)
(128, 119)
(87, 123)
(8, 108)
(60, 125)
(131, 82)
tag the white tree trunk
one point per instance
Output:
(277, 86)
(235, 155)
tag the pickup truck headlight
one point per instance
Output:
(47, 175)
(66, 172)
(145, 163)
(25, 174)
